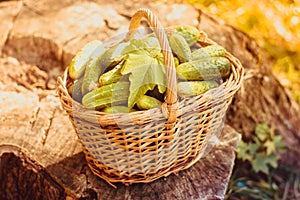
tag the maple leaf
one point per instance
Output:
(145, 72)
(246, 151)
(262, 130)
(273, 160)
(270, 147)
(262, 161)
(259, 163)
(149, 44)
(145, 67)
(278, 142)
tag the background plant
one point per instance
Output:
(254, 175)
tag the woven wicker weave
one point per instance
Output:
(142, 146)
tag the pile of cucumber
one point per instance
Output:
(97, 82)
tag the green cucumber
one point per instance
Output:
(117, 109)
(176, 61)
(77, 94)
(204, 69)
(113, 94)
(146, 102)
(190, 33)
(92, 71)
(208, 51)
(194, 88)
(78, 63)
(180, 47)
(112, 76)
(113, 56)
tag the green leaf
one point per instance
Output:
(149, 44)
(262, 162)
(259, 163)
(145, 73)
(272, 133)
(278, 142)
(145, 66)
(135, 46)
(270, 147)
(243, 151)
(273, 160)
(160, 60)
(246, 151)
(262, 130)
(253, 147)
(152, 46)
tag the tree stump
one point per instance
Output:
(40, 156)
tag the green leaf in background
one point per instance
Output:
(243, 152)
(261, 151)
(273, 160)
(270, 147)
(246, 151)
(262, 130)
(277, 139)
(260, 163)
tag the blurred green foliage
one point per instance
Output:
(261, 152)
(257, 174)
(274, 24)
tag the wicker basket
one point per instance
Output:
(143, 146)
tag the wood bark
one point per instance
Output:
(40, 155)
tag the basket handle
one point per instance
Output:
(170, 106)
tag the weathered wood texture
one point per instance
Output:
(22, 177)
(40, 155)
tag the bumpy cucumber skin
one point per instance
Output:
(194, 88)
(78, 63)
(113, 94)
(117, 109)
(208, 51)
(146, 102)
(112, 76)
(190, 33)
(204, 69)
(180, 47)
(76, 93)
(106, 102)
(113, 56)
(92, 71)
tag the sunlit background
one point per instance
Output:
(274, 24)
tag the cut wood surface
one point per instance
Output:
(40, 155)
